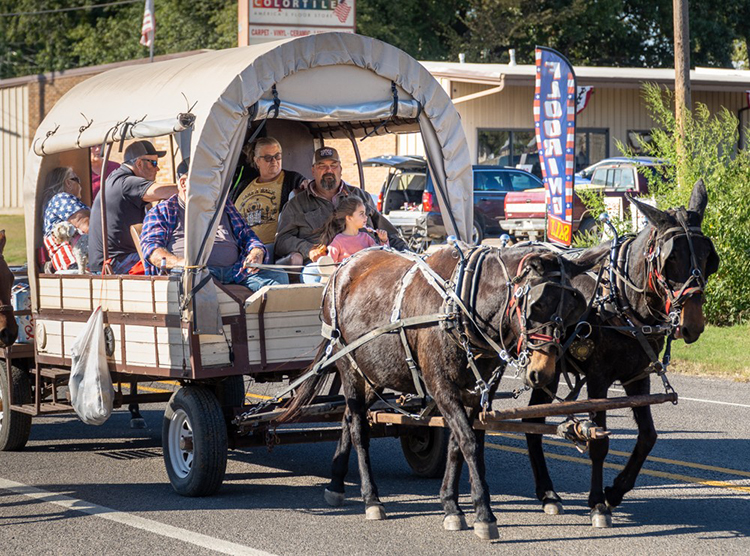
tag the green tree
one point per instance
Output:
(711, 154)
(37, 43)
(425, 29)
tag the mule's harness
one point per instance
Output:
(457, 316)
(614, 306)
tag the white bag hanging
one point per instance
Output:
(91, 391)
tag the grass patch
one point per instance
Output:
(720, 352)
(15, 233)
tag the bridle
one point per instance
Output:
(659, 248)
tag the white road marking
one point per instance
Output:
(698, 400)
(137, 522)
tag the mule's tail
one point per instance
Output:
(307, 391)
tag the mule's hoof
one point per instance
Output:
(486, 531)
(375, 513)
(553, 508)
(334, 499)
(138, 423)
(454, 523)
(601, 517)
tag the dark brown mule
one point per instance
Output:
(509, 288)
(660, 280)
(8, 325)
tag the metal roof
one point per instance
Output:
(702, 79)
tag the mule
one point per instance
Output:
(8, 324)
(659, 283)
(517, 300)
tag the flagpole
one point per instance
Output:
(151, 48)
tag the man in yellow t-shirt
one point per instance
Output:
(261, 200)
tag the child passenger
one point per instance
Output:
(341, 237)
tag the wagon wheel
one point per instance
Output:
(194, 439)
(15, 427)
(231, 391)
(426, 450)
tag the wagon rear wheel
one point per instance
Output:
(426, 450)
(15, 427)
(194, 439)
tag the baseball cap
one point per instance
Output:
(141, 148)
(326, 153)
(182, 169)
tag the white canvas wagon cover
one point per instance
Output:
(331, 77)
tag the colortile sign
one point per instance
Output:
(281, 19)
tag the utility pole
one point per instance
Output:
(682, 102)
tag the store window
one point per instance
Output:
(517, 148)
(637, 139)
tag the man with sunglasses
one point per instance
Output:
(260, 201)
(127, 190)
(304, 215)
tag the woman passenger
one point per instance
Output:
(62, 203)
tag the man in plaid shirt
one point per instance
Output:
(235, 244)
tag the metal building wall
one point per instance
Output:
(14, 145)
(616, 109)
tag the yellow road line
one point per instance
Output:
(660, 474)
(681, 463)
(160, 390)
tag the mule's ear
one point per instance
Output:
(2, 241)
(698, 199)
(657, 217)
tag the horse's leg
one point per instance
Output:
(625, 481)
(452, 410)
(454, 519)
(601, 514)
(359, 430)
(334, 494)
(545, 490)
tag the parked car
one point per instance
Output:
(409, 201)
(525, 211)
(584, 176)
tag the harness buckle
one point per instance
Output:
(646, 329)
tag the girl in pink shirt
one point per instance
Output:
(343, 236)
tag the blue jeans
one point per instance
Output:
(310, 274)
(254, 282)
(123, 265)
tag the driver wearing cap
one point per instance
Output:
(303, 217)
(127, 190)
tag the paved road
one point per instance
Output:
(78, 489)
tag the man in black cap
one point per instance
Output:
(127, 192)
(304, 215)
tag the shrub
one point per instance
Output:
(709, 153)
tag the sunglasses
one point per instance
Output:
(153, 163)
(75, 179)
(271, 157)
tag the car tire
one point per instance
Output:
(426, 450)
(477, 233)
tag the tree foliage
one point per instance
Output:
(601, 32)
(58, 41)
(710, 153)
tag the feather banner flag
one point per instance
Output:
(555, 124)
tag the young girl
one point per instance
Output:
(343, 236)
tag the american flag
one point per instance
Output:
(342, 10)
(147, 29)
